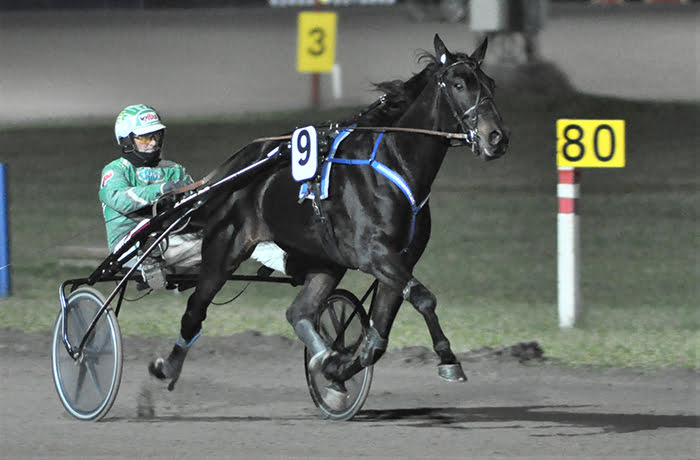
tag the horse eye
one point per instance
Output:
(459, 86)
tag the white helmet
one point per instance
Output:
(137, 119)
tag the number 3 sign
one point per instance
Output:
(316, 41)
(591, 143)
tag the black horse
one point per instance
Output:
(376, 218)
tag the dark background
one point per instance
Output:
(65, 4)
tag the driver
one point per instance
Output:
(135, 181)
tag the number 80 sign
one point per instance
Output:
(591, 143)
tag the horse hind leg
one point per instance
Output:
(424, 301)
(171, 367)
(211, 279)
(190, 329)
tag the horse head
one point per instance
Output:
(470, 107)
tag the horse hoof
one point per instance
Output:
(155, 368)
(171, 385)
(335, 399)
(452, 372)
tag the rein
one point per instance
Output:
(429, 132)
(467, 137)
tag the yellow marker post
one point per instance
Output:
(580, 144)
(316, 32)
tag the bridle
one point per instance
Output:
(471, 115)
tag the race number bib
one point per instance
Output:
(304, 153)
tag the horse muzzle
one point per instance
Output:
(494, 146)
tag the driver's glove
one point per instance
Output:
(173, 185)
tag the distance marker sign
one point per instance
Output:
(591, 143)
(316, 33)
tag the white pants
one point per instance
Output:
(184, 250)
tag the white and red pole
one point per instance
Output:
(568, 281)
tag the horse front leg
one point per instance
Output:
(425, 302)
(385, 306)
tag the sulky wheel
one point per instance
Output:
(88, 385)
(341, 322)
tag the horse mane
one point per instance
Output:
(398, 95)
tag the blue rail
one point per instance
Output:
(4, 237)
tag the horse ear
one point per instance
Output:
(480, 53)
(441, 50)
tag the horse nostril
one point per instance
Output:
(495, 137)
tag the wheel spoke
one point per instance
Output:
(325, 333)
(339, 341)
(80, 381)
(93, 376)
(334, 318)
(81, 325)
(341, 320)
(79, 322)
(344, 327)
(349, 320)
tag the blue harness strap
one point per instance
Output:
(182, 343)
(394, 177)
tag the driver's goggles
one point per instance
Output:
(146, 138)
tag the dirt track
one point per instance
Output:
(245, 397)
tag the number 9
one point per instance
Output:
(304, 153)
(303, 147)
